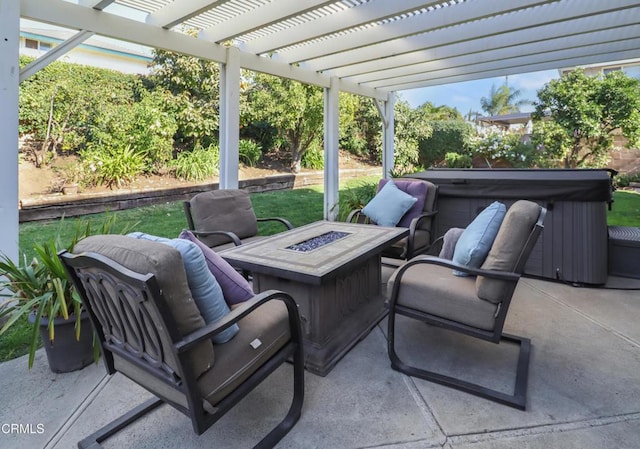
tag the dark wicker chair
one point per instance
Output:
(420, 238)
(149, 330)
(425, 289)
(225, 218)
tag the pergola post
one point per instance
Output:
(331, 164)
(388, 135)
(9, 75)
(230, 119)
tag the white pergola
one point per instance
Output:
(366, 47)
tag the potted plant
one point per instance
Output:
(42, 291)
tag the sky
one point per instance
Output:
(466, 96)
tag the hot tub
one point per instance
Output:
(573, 246)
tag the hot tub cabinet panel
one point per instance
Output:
(573, 246)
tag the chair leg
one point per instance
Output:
(295, 410)
(94, 440)
(516, 400)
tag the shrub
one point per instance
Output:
(625, 179)
(356, 198)
(250, 152)
(112, 167)
(457, 160)
(449, 136)
(198, 164)
(506, 148)
(143, 127)
(313, 158)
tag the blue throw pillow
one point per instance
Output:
(204, 287)
(476, 240)
(389, 205)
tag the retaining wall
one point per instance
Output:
(55, 206)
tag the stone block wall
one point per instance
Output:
(624, 159)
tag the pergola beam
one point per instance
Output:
(339, 21)
(587, 60)
(96, 4)
(420, 23)
(55, 53)
(517, 21)
(9, 63)
(276, 11)
(469, 53)
(180, 11)
(493, 63)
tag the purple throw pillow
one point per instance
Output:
(417, 190)
(234, 287)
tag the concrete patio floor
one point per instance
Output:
(584, 390)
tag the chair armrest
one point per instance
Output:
(494, 274)
(355, 216)
(413, 226)
(285, 222)
(232, 237)
(205, 333)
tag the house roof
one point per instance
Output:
(507, 119)
(96, 43)
(371, 46)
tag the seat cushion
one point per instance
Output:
(476, 240)
(224, 210)
(238, 359)
(418, 190)
(389, 205)
(165, 263)
(204, 287)
(435, 290)
(505, 253)
(234, 287)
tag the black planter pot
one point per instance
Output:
(65, 353)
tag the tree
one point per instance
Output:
(194, 85)
(577, 116)
(502, 100)
(59, 104)
(411, 126)
(296, 110)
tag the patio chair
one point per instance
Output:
(426, 289)
(419, 218)
(225, 218)
(150, 330)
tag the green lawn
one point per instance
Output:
(625, 210)
(300, 206)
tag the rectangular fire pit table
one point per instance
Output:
(332, 270)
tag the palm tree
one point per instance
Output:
(502, 100)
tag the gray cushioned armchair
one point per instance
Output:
(224, 218)
(419, 219)
(151, 331)
(425, 289)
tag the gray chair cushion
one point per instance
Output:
(165, 263)
(236, 360)
(224, 210)
(435, 290)
(507, 247)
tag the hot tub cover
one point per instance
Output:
(533, 184)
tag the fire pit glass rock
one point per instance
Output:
(317, 241)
